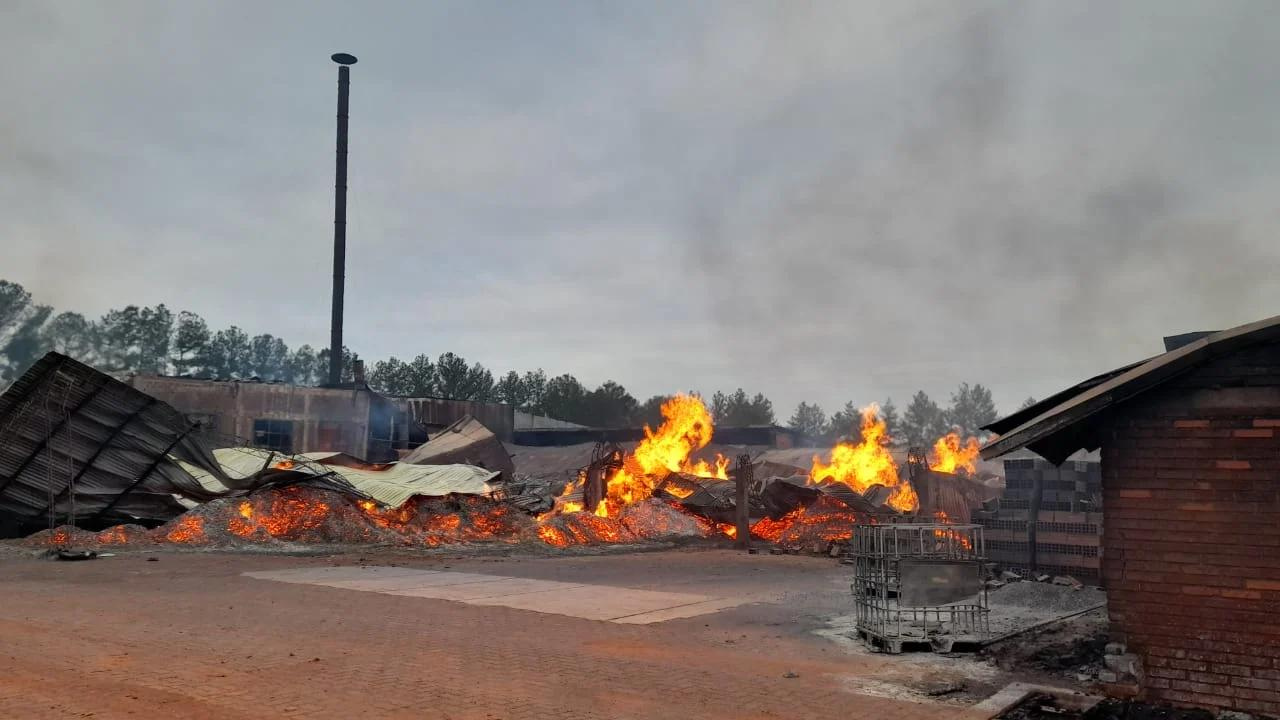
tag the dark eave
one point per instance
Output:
(1060, 430)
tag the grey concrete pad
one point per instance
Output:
(682, 611)
(325, 574)
(594, 602)
(379, 584)
(418, 580)
(591, 602)
(496, 588)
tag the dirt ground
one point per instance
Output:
(187, 634)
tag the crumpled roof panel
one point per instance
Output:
(388, 484)
(67, 427)
(77, 442)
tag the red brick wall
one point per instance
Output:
(1192, 534)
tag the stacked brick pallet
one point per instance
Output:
(1066, 505)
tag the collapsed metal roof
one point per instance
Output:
(78, 446)
(76, 442)
(1057, 431)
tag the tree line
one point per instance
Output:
(149, 340)
(157, 340)
(922, 422)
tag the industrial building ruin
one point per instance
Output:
(86, 455)
(353, 419)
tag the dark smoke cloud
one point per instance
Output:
(818, 201)
(976, 244)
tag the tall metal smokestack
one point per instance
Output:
(339, 220)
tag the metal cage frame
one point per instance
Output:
(884, 624)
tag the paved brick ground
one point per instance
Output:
(189, 636)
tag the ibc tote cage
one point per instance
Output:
(942, 605)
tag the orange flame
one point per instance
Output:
(686, 428)
(950, 455)
(941, 517)
(285, 464)
(867, 463)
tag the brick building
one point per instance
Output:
(1191, 512)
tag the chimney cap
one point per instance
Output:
(344, 58)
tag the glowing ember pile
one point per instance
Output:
(950, 455)
(867, 463)
(825, 520)
(638, 522)
(299, 514)
(306, 515)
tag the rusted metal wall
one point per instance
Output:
(955, 495)
(235, 405)
(437, 413)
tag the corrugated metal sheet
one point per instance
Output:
(398, 483)
(77, 444)
(439, 412)
(532, 421)
(466, 441)
(388, 484)
(75, 439)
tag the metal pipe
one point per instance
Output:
(339, 220)
(741, 510)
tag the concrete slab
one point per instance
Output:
(315, 575)
(438, 578)
(594, 602)
(581, 600)
(495, 588)
(682, 611)
(394, 582)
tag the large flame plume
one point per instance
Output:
(686, 428)
(950, 455)
(867, 463)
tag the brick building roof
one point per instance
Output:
(1065, 423)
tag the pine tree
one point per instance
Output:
(923, 421)
(808, 420)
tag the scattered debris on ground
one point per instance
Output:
(1044, 706)
(1070, 651)
(1020, 605)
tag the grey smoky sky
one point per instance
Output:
(821, 201)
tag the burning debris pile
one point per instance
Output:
(308, 515)
(182, 490)
(299, 514)
(857, 483)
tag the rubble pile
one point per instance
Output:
(310, 516)
(639, 522)
(826, 520)
(658, 490)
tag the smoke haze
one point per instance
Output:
(820, 202)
